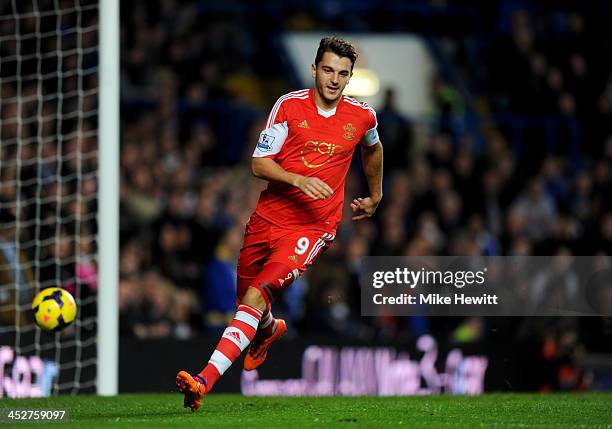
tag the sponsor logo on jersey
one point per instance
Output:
(303, 124)
(349, 132)
(312, 149)
(265, 142)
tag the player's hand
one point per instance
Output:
(314, 187)
(364, 207)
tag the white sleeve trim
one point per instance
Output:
(371, 137)
(271, 140)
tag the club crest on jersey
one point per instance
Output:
(303, 124)
(293, 258)
(313, 150)
(349, 132)
(265, 142)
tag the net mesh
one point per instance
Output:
(48, 188)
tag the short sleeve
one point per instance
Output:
(371, 137)
(275, 132)
(271, 140)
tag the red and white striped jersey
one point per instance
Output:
(305, 139)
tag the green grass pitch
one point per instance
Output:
(236, 411)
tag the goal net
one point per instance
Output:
(48, 190)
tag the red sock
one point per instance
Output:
(236, 337)
(268, 323)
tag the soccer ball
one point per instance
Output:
(54, 309)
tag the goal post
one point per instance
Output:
(108, 197)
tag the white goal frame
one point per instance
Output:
(108, 200)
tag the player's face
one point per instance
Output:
(331, 76)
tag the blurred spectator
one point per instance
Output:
(16, 277)
(218, 288)
(534, 211)
(449, 106)
(395, 131)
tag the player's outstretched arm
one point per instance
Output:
(372, 158)
(268, 169)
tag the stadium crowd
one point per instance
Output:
(517, 160)
(48, 156)
(533, 180)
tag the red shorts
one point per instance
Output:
(265, 243)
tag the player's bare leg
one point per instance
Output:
(236, 337)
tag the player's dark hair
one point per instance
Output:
(338, 46)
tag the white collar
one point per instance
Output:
(326, 113)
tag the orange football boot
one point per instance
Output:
(258, 350)
(193, 387)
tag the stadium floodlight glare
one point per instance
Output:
(363, 83)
